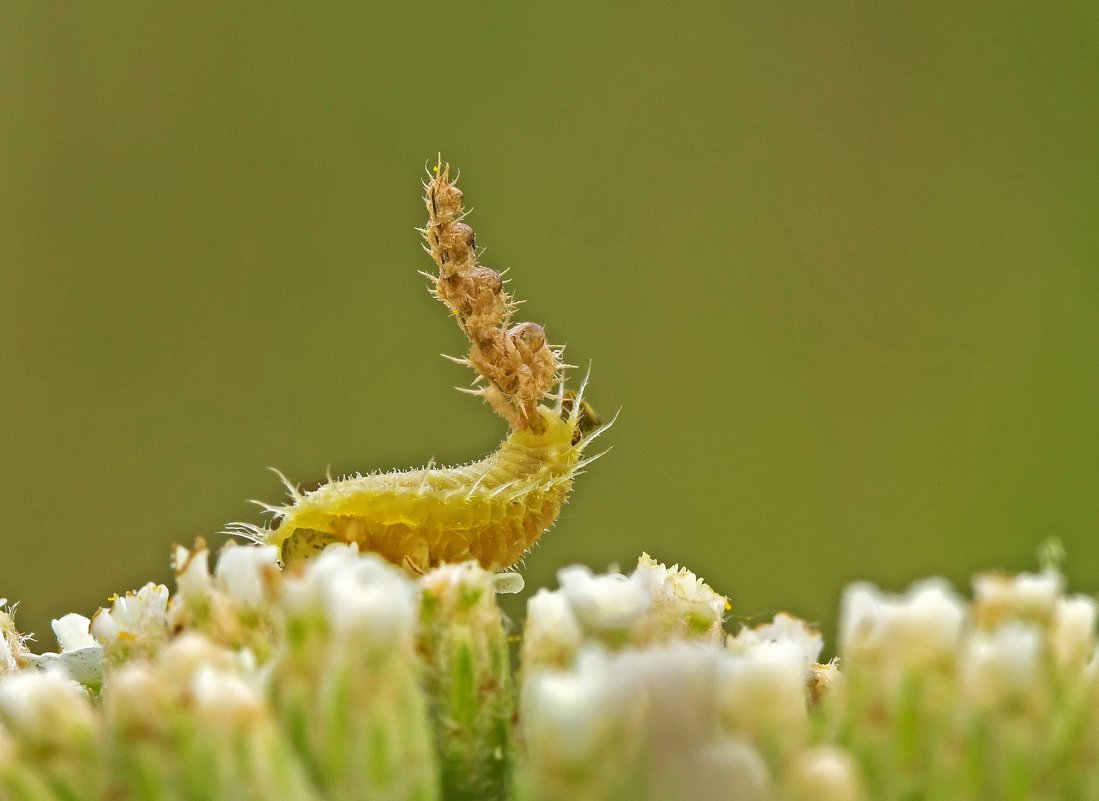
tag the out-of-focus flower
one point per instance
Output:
(1002, 665)
(784, 628)
(347, 626)
(654, 604)
(581, 727)
(1027, 596)
(45, 708)
(824, 773)
(1072, 633)
(241, 572)
(232, 607)
(609, 603)
(362, 597)
(922, 628)
(196, 716)
(764, 686)
(552, 635)
(643, 723)
(219, 694)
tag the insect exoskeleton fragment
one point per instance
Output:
(492, 510)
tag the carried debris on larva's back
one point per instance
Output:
(492, 510)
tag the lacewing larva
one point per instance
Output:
(492, 510)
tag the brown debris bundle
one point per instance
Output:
(517, 364)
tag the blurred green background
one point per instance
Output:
(838, 264)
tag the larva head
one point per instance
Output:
(587, 419)
(551, 430)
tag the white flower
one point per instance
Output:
(552, 634)
(1072, 631)
(190, 672)
(362, 597)
(192, 569)
(1003, 664)
(446, 579)
(725, 768)
(135, 697)
(681, 597)
(575, 717)
(654, 715)
(186, 654)
(825, 773)
(81, 656)
(140, 615)
(1027, 596)
(221, 694)
(783, 628)
(763, 689)
(241, 569)
(72, 633)
(681, 682)
(45, 706)
(920, 628)
(610, 602)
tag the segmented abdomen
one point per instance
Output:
(492, 510)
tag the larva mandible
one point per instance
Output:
(492, 510)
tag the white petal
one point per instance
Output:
(72, 632)
(240, 571)
(607, 602)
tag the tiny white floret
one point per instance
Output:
(1072, 631)
(1003, 664)
(607, 602)
(240, 571)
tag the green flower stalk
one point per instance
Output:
(468, 681)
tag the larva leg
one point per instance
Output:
(417, 560)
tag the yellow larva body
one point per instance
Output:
(492, 510)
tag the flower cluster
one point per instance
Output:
(346, 678)
(631, 689)
(995, 698)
